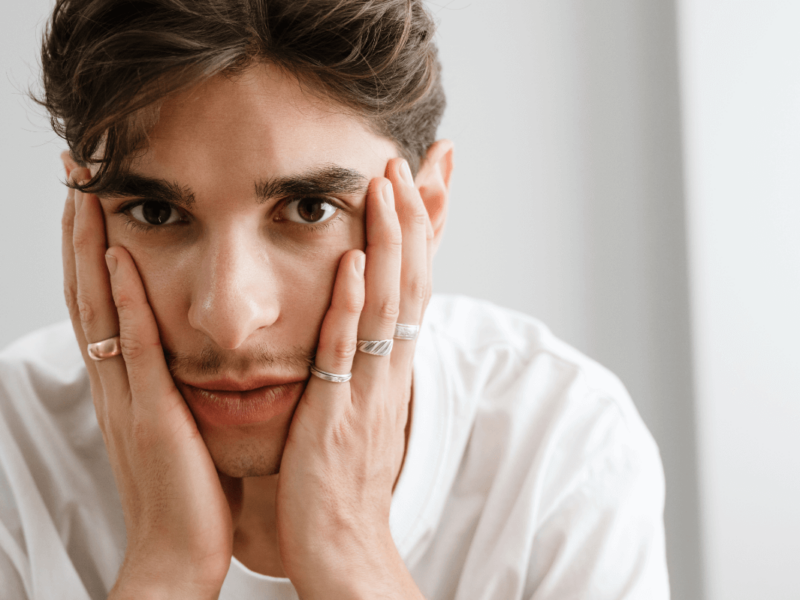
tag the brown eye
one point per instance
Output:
(309, 210)
(153, 212)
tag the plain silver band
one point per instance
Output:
(406, 332)
(376, 347)
(104, 349)
(332, 377)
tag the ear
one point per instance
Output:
(69, 163)
(433, 183)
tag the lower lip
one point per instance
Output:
(216, 407)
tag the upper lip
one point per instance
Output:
(229, 384)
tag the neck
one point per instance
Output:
(255, 536)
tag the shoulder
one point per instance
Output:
(522, 387)
(550, 444)
(42, 377)
(511, 346)
(531, 403)
(49, 353)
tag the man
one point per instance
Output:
(255, 398)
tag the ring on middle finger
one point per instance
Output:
(375, 347)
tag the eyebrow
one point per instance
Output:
(140, 186)
(329, 179)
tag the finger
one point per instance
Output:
(96, 310)
(148, 376)
(414, 278)
(382, 276)
(337, 338)
(71, 282)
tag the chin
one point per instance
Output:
(246, 457)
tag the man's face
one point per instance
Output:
(259, 188)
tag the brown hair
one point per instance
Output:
(108, 64)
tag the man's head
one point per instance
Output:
(233, 165)
(108, 65)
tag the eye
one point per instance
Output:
(309, 210)
(153, 212)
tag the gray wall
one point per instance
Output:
(567, 200)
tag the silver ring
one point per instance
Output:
(376, 347)
(104, 349)
(406, 332)
(332, 377)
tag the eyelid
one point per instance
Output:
(126, 207)
(286, 202)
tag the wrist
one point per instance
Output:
(162, 581)
(356, 576)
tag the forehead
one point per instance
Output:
(259, 123)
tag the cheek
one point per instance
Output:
(307, 280)
(167, 280)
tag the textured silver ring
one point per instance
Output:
(376, 347)
(406, 332)
(104, 349)
(332, 377)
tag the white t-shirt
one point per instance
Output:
(529, 474)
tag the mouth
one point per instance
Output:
(229, 402)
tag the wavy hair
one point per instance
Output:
(108, 65)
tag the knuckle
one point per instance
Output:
(419, 218)
(418, 289)
(86, 311)
(124, 301)
(70, 298)
(389, 309)
(132, 347)
(394, 239)
(352, 304)
(343, 350)
(80, 241)
(67, 224)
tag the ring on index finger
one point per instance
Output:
(332, 377)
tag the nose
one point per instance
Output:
(234, 293)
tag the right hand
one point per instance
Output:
(177, 517)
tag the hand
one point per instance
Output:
(346, 442)
(177, 518)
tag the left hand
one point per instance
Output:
(347, 440)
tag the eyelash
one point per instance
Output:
(125, 208)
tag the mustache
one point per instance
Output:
(212, 361)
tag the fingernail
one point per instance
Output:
(111, 262)
(360, 263)
(388, 195)
(405, 171)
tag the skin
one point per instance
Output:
(304, 493)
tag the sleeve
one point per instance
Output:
(11, 582)
(603, 537)
(14, 567)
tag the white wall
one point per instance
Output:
(741, 66)
(567, 200)
(31, 198)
